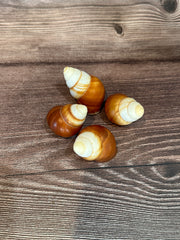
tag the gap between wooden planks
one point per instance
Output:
(113, 203)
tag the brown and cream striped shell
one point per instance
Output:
(95, 142)
(67, 120)
(88, 90)
(123, 110)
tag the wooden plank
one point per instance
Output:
(28, 92)
(89, 31)
(123, 203)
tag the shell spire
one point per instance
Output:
(123, 110)
(67, 120)
(77, 81)
(130, 110)
(95, 142)
(87, 89)
(77, 114)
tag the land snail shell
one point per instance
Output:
(95, 142)
(123, 110)
(87, 90)
(67, 120)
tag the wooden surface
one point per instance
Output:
(47, 192)
(72, 31)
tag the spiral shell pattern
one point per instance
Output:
(77, 81)
(88, 90)
(67, 120)
(123, 110)
(95, 142)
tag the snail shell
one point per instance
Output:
(88, 90)
(67, 120)
(123, 110)
(95, 142)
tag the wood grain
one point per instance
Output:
(89, 31)
(46, 191)
(28, 92)
(122, 203)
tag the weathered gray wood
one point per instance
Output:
(28, 92)
(123, 203)
(88, 31)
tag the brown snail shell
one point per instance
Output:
(95, 142)
(88, 90)
(123, 110)
(67, 120)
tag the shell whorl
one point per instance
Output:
(77, 81)
(67, 120)
(95, 142)
(87, 145)
(130, 110)
(74, 114)
(123, 110)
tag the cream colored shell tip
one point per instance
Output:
(95, 142)
(77, 81)
(123, 110)
(87, 145)
(67, 120)
(79, 112)
(86, 89)
(130, 110)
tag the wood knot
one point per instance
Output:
(168, 172)
(118, 28)
(169, 5)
